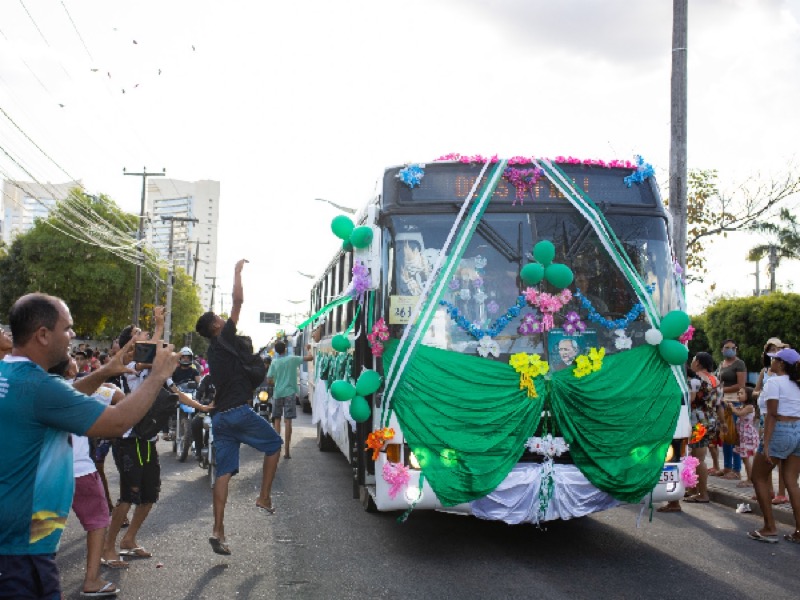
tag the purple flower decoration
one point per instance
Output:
(361, 280)
(573, 323)
(530, 325)
(492, 307)
(477, 282)
(454, 285)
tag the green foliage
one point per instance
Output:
(751, 321)
(97, 285)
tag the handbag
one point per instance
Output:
(731, 436)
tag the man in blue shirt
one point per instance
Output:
(38, 411)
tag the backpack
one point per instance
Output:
(157, 417)
(253, 364)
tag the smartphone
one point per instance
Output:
(145, 352)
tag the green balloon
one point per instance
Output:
(342, 227)
(673, 352)
(340, 343)
(674, 324)
(359, 409)
(368, 383)
(559, 275)
(346, 245)
(544, 252)
(361, 237)
(342, 390)
(532, 273)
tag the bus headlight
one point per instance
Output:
(670, 454)
(413, 494)
(412, 460)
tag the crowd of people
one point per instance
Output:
(63, 409)
(757, 428)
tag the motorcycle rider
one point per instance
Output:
(186, 370)
(205, 395)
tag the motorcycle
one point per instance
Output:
(182, 442)
(208, 457)
(261, 402)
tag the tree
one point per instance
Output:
(710, 212)
(751, 321)
(95, 283)
(787, 245)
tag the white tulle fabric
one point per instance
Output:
(329, 412)
(516, 499)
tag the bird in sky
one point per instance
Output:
(159, 71)
(61, 105)
(94, 70)
(135, 42)
(192, 47)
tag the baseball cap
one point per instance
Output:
(774, 342)
(787, 355)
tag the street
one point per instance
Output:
(321, 544)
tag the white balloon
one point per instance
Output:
(653, 337)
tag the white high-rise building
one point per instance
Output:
(23, 202)
(194, 245)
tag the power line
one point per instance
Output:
(78, 33)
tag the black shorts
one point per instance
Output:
(139, 471)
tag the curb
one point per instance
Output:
(726, 497)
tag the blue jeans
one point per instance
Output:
(731, 459)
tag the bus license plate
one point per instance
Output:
(670, 474)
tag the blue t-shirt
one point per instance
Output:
(38, 411)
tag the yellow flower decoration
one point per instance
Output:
(529, 366)
(585, 365)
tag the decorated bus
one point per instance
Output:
(505, 338)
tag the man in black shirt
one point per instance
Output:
(233, 419)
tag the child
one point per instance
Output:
(748, 433)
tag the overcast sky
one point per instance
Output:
(287, 102)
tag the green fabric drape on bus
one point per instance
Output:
(467, 421)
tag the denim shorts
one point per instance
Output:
(241, 425)
(785, 440)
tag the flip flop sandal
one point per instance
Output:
(137, 552)
(769, 539)
(219, 547)
(669, 509)
(108, 590)
(114, 564)
(266, 509)
(696, 500)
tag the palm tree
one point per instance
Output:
(787, 234)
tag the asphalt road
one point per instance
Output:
(322, 545)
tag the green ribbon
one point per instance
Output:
(324, 311)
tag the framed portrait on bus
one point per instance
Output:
(564, 348)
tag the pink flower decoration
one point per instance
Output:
(689, 473)
(397, 476)
(548, 304)
(687, 335)
(380, 333)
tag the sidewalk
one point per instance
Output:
(724, 491)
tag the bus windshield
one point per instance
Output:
(486, 283)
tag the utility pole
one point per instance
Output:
(677, 151)
(197, 260)
(213, 287)
(222, 302)
(171, 270)
(137, 290)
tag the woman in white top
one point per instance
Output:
(780, 403)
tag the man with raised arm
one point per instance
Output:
(233, 420)
(38, 411)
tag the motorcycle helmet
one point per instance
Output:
(186, 356)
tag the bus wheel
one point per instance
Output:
(325, 442)
(367, 503)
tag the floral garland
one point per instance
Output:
(595, 317)
(524, 160)
(588, 364)
(547, 445)
(473, 329)
(689, 473)
(698, 433)
(360, 283)
(642, 171)
(380, 333)
(377, 439)
(411, 175)
(523, 180)
(687, 335)
(529, 366)
(488, 346)
(396, 475)
(548, 304)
